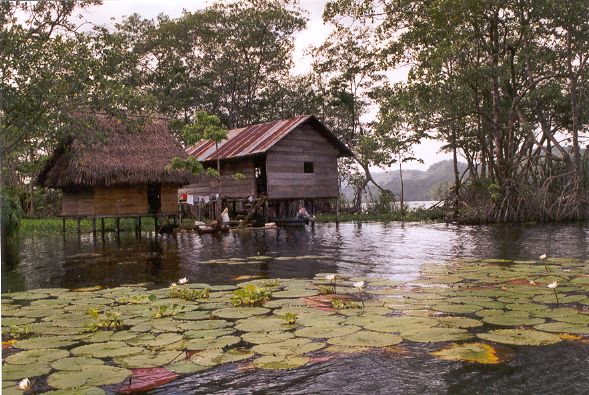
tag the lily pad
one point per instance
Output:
(40, 356)
(240, 312)
(106, 350)
(211, 343)
(217, 356)
(437, 334)
(75, 363)
(366, 339)
(280, 362)
(470, 352)
(320, 332)
(520, 337)
(266, 337)
(150, 359)
(17, 372)
(88, 376)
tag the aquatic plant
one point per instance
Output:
(326, 290)
(19, 331)
(109, 320)
(553, 286)
(359, 285)
(24, 384)
(162, 311)
(250, 295)
(290, 318)
(182, 281)
(190, 294)
(341, 304)
(332, 278)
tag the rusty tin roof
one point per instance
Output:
(257, 139)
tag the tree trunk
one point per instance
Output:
(402, 188)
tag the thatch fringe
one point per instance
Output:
(109, 154)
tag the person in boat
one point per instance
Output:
(225, 216)
(303, 214)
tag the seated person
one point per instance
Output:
(303, 214)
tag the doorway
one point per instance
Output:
(260, 173)
(154, 198)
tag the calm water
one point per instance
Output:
(383, 250)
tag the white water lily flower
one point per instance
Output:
(359, 284)
(173, 285)
(330, 277)
(532, 282)
(553, 285)
(542, 257)
(183, 280)
(24, 384)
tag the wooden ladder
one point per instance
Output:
(257, 205)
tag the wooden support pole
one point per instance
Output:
(102, 225)
(117, 225)
(156, 224)
(79, 227)
(63, 224)
(137, 224)
(94, 226)
(265, 211)
(337, 210)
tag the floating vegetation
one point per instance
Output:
(82, 340)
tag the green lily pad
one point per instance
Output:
(215, 357)
(211, 343)
(218, 332)
(437, 334)
(240, 312)
(20, 371)
(510, 318)
(366, 339)
(107, 350)
(260, 324)
(563, 327)
(78, 391)
(295, 346)
(150, 359)
(40, 356)
(456, 308)
(46, 342)
(471, 352)
(88, 376)
(280, 362)
(320, 332)
(520, 337)
(460, 322)
(75, 363)
(266, 337)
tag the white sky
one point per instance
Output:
(315, 33)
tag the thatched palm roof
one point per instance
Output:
(109, 154)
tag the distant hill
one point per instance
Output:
(419, 184)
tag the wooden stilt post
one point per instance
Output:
(137, 225)
(102, 226)
(117, 225)
(79, 227)
(94, 227)
(265, 211)
(156, 224)
(337, 210)
(63, 224)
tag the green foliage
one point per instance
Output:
(326, 289)
(163, 311)
(341, 304)
(189, 294)
(250, 295)
(19, 332)
(290, 318)
(10, 213)
(135, 299)
(239, 176)
(204, 127)
(108, 320)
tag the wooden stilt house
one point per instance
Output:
(286, 163)
(112, 172)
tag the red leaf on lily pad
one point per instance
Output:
(146, 379)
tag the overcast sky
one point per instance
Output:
(313, 35)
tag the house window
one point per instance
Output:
(308, 167)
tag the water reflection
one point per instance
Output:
(392, 250)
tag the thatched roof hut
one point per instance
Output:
(112, 155)
(113, 170)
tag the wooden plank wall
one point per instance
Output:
(169, 198)
(284, 166)
(121, 200)
(230, 187)
(77, 202)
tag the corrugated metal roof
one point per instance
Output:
(255, 139)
